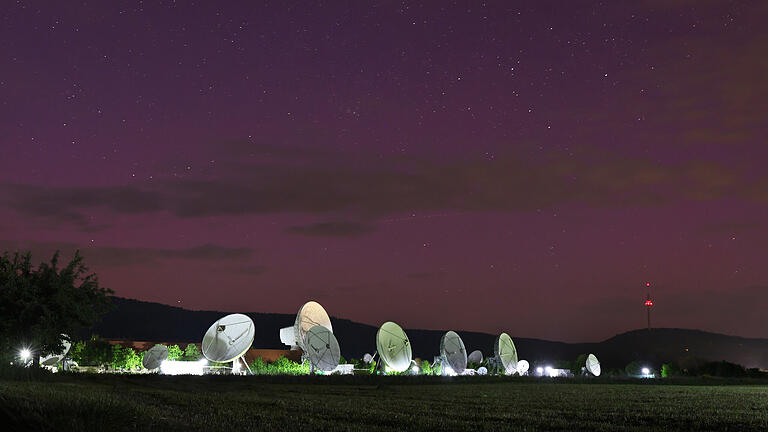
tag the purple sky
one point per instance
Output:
(515, 166)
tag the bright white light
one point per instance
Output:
(646, 371)
(415, 368)
(548, 369)
(449, 371)
(25, 354)
(172, 367)
(539, 370)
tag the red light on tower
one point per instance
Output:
(648, 305)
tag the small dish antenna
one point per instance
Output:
(522, 367)
(154, 357)
(506, 353)
(593, 365)
(310, 314)
(53, 359)
(453, 353)
(475, 357)
(228, 339)
(482, 370)
(393, 347)
(322, 348)
(367, 358)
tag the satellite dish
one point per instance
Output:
(475, 357)
(482, 370)
(228, 338)
(393, 346)
(154, 356)
(522, 367)
(322, 348)
(310, 314)
(453, 352)
(55, 358)
(593, 365)
(367, 358)
(506, 353)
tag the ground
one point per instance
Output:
(115, 402)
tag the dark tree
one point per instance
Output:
(581, 362)
(38, 305)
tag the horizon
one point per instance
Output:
(523, 167)
(458, 330)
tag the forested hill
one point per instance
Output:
(145, 321)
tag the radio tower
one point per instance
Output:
(648, 305)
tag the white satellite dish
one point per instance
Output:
(154, 356)
(393, 347)
(506, 353)
(322, 348)
(475, 357)
(593, 365)
(229, 338)
(482, 370)
(367, 358)
(53, 359)
(522, 367)
(310, 314)
(453, 352)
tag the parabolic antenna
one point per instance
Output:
(154, 356)
(522, 367)
(506, 353)
(367, 358)
(593, 365)
(475, 357)
(453, 352)
(52, 359)
(322, 348)
(482, 370)
(310, 315)
(393, 346)
(228, 338)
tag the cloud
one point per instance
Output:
(108, 256)
(332, 229)
(372, 188)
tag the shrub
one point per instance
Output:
(175, 352)
(192, 353)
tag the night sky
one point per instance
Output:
(515, 166)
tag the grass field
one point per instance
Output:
(163, 403)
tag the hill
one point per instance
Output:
(145, 321)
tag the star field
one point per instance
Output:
(440, 164)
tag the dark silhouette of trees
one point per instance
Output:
(39, 304)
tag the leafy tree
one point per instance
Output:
(668, 370)
(132, 360)
(119, 357)
(580, 362)
(40, 304)
(95, 352)
(175, 352)
(426, 368)
(192, 353)
(259, 366)
(634, 368)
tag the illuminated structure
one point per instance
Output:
(393, 347)
(310, 314)
(228, 339)
(648, 305)
(453, 355)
